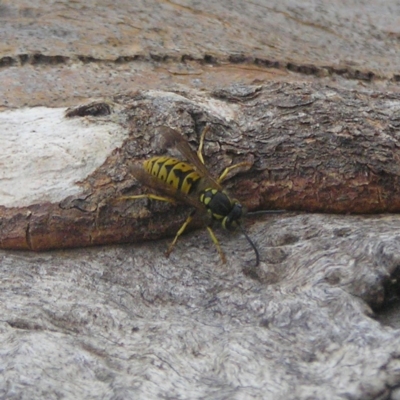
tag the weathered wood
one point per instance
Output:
(123, 321)
(308, 93)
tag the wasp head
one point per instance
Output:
(232, 220)
(229, 212)
(222, 208)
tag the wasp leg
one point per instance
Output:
(228, 169)
(148, 196)
(179, 233)
(201, 144)
(217, 245)
(169, 200)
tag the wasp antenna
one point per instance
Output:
(251, 244)
(261, 212)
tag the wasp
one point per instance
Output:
(190, 182)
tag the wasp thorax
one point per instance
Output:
(222, 208)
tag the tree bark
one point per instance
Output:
(312, 148)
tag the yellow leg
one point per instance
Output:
(217, 245)
(147, 196)
(184, 225)
(228, 169)
(201, 144)
(169, 200)
(179, 233)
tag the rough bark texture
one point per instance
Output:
(308, 93)
(313, 148)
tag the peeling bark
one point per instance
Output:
(342, 159)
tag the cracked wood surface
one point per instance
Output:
(124, 321)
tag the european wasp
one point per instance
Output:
(189, 182)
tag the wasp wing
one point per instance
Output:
(174, 139)
(163, 188)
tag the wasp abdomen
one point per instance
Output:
(175, 173)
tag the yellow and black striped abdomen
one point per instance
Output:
(175, 173)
